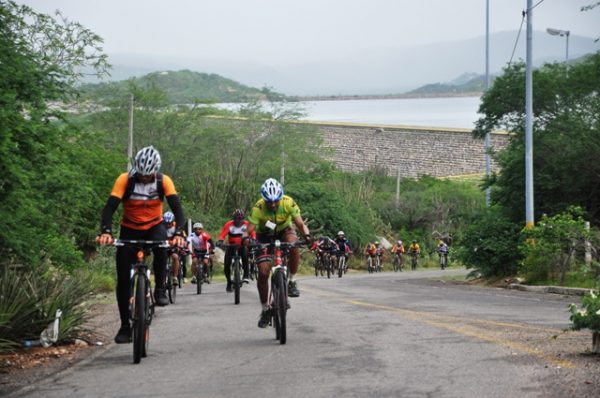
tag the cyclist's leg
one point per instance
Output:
(159, 264)
(245, 265)
(289, 235)
(175, 263)
(194, 266)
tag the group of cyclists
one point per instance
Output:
(375, 254)
(142, 191)
(331, 255)
(275, 215)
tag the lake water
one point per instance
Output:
(433, 112)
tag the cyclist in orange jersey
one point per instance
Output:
(142, 191)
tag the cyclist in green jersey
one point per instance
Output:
(276, 208)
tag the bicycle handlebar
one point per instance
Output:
(141, 242)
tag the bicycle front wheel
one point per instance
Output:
(139, 318)
(279, 306)
(237, 280)
(341, 266)
(199, 278)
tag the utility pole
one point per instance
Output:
(282, 179)
(398, 187)
(130, 138)
(529, 218)
(488, 163)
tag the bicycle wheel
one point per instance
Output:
(139, 317)
(280, 306)
(237, 280)
(341, 265)
(328, 266)
(180, 276)
(199, 278)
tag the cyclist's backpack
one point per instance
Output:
(131, 185)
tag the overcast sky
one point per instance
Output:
(280, 32)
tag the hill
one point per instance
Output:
(181, 87)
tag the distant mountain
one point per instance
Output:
(181, 87)
(391, 70)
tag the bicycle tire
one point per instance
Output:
(199, 278)
(139, 318)
(180, 276)
(237, 280)
(341, 265)
(280, 299)
(370, 264)
(328, 266)
(316, 268)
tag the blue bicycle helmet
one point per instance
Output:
(271, 190)
(168, 217)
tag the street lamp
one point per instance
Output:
(561, 33)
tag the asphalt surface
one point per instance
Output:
(408, 334)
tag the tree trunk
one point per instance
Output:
(596, 342)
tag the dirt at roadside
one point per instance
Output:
(27, 366)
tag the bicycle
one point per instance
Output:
(236, 270)
(252, 264)
(443, 260)
(378, 266)
(341, 265)
(170, 286)
(277, 253)
(398, 262)
(414, 257)
(141, 301)
(370, 264)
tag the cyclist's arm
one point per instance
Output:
(225, 230)
(107, 213)
(177, 209)
(301, 226)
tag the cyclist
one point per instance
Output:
(276, 208)
(443, 251)
(399, 250)
(344, 245)
(371, 251)
(142, 191)
(414, 250)
(324, 245)
(235, 230)
(202, 246)
(175, 252)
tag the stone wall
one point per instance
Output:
(439, 152)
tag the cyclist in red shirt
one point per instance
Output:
(235, 230)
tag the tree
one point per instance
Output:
(566, 138)
(41, 58)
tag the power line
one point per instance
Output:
(518, 35)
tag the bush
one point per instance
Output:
(30, 299)
(552, 245)
(490, 245)
(589, 316)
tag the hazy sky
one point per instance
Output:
(281, 32)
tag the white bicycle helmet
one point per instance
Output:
(271, 190)
(147, 161)
(341, 233)
(197, 225)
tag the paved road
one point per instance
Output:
(404, 334)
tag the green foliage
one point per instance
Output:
(566, 136)
(589, 316)
(45, 164)
(180, 87)
(30, 299)
(490, 245)
(550, 248)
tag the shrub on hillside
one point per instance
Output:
(490, 245)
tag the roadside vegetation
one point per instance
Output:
(57, 169)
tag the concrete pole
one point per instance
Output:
(398, 187)
(529, 218)
(130, 138)
(588, 247)
(488, 164)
